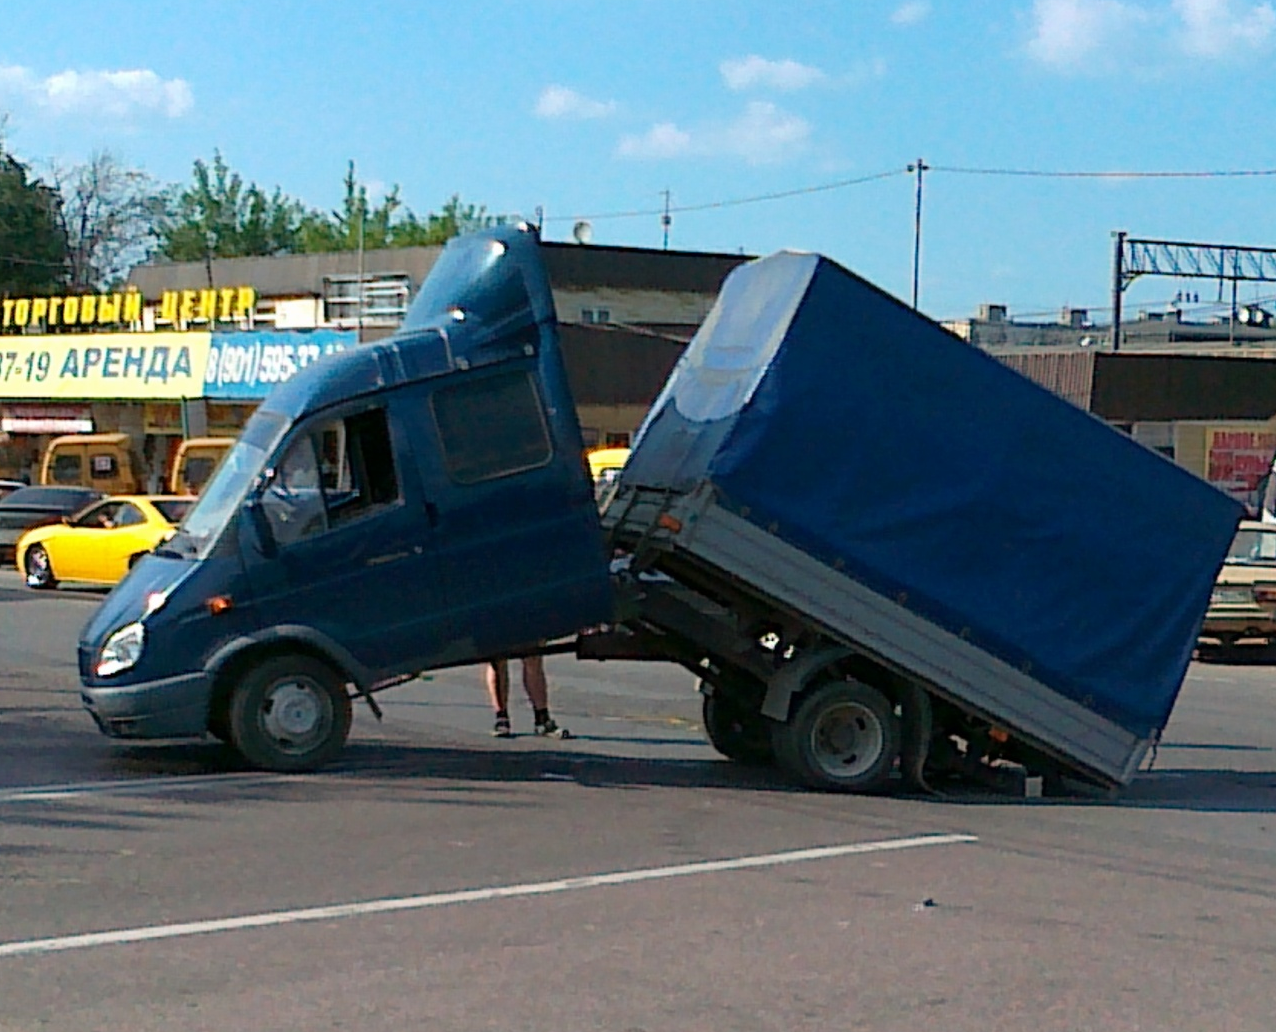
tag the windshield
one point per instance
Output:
(228, 486)
(1254, 547)
(469, 278)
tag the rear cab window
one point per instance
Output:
(491, 427)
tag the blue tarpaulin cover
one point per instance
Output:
(825, 410)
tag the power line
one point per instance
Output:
(710, 205)
(1107, 174)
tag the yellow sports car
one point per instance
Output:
(99, 544)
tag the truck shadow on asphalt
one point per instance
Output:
(398, 768)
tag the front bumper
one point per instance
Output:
(174, 707)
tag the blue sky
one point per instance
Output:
(595, 108)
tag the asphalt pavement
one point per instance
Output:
(436, 878)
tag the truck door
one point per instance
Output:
(520, 552)
(355, 557)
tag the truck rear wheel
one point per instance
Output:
(842, 737)
(735, 732)
(290, 713)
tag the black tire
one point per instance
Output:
(841, 737)
(289, 713)
(39, 568)
(735, 732)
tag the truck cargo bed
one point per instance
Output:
(712, 547)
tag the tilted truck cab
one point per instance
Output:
(361, 529)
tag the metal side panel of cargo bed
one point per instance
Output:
(716, 539)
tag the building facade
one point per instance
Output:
(190, 348)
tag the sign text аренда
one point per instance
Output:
(124, 365)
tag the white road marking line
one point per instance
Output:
(133, 786)
(440, 899)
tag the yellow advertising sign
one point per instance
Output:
(186, 306)
(118, 309)
(123, 309)
(104, 365)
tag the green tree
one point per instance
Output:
(33, 248)
(455, 218)
(218, 216)
(390, 223)
(339, 230)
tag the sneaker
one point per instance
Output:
(502, 728)
(550, 729)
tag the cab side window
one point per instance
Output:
(491, 427)
(337, 472)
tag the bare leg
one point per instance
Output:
(534, 682)
(498, 684)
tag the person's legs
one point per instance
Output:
(498, 692)
(536, 685)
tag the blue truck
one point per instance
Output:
(881, 552)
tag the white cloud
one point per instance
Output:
(663, 140)
(1067, 33)
(116, 94)
(742, 73)
(1215, 28)
(762, 134)
(911, 12)
(561, 102)
(1102, 35)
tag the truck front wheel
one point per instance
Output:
(735, 732)
(842, 737)
(290, 713)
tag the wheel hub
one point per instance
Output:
(847, 740)
(293, 710)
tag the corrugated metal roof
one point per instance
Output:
(1070, 375)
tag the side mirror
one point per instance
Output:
(261, 527)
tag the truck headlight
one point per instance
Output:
(122, 650)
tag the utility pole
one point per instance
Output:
(919, 168)
(363, 206)
(1118, 285)
(666, 220)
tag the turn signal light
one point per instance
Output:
(669, 522)
(1000, 735)
(219, 604)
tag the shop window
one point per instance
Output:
(491, 427)
(595, 316)
(383, 300)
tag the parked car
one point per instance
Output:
(1243, 604)
(100, 544)
(35, 506)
